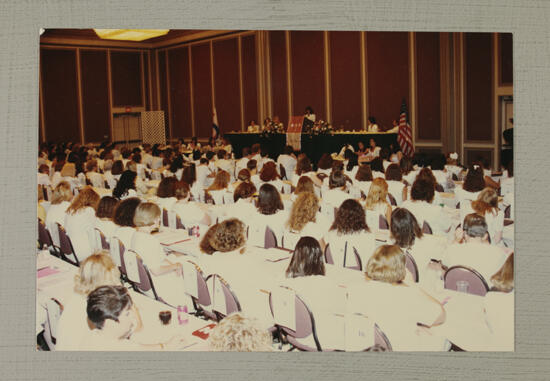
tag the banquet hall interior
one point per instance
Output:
(272, 190)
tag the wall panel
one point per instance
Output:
(163, 89)
(180, 95)
(202, 91)
(506, 61)
(60, 95)
(345, 79)
(478, 55)
(308, 72)
(428, 90)
(387, 75)
(250, 79)
(95, 95)
(279, 83)
(126, 78)
(226, 84)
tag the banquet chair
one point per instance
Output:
(230, 302)
(381, 339)
(507, 211)
(101, 241)
(66, 247)
(54, 309)
(138, 275)
(383, 223)
(458, 205)
(454, 177)
(328, 255)
(476, 283)
(410, 264)
(201, 300)
(426, 228)
(106, 185)
(46, 192)
(439, 188)
(282, 171)
(391, 200)
(44, 237)
(165, 220)
(179, 224)
(304, 329)
(208, 199)
(117, 249)
(270, 239)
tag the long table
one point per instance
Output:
(312, 145)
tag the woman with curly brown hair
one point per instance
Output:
(303, 167)
(269, 175)
(486, 205)
(80, 222)
(350, 226)
(472, 186)
(224, 237)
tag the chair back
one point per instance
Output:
(410, 264)
(458, 205)
(53, 312)
(426, 228)
(137, 274)
(358, 265)
(179, 224)
(383, 223)
(44, 237)
(304, 323)
(381, 339)
(66, 247)
(338, 251)
(165, 219)
(117, 249)
(282, 171)
(392, 200)
(328, 255)
(476, 283)
(197, 288)
(439, 188)
(101, 241)
(270, 239)
(217, 196)
(507, 211)
(224, 301)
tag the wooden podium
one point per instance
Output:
(294, 132)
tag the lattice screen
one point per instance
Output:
(152, 127)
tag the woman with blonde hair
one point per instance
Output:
(97, 270)
(305, 218)
(387, 279)
(486, 205)
(61, 199)
(218, 189)
(80, 222)
(237, 333)
(377, 203)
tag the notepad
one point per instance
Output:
(46, 271)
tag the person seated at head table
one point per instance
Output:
(472, 249)
(238, 333)
(486, 205)
(350, 226)
(407, 318)
(372, 126)
(113, 321)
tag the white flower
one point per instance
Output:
(453, 156)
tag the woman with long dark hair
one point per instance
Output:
(126, 186)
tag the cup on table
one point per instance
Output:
(462, 286)
(165, 317)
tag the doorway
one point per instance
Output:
(127, 128)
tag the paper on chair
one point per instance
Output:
(190, 279)
(45, 272)
(284, 307)
(218, 304)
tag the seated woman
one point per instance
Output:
(80, 222)
(396, 187)
(269, 175)
(97, 270)
(324, 165)
(228, 236)
(243, 207)
(166, 193)
(408, 173)
(117, 170)
(377, 168)
(242, 176)
(427, 174)
(189, 176)
(61, 199)
(351, 166)
(94, 177)
(361, 182)
(499, 307)
(305, 220)
(190, 213)
(126, 186)
(472, 186)
(238, 333)
(350, 226)
(388, 280)
(305, 184)
(104, 216)
(422, 206)
(486, 205)
(507, 180)
(269, 213)
(219, 188)
(407, 234)
(377, 203)
(441, 175)
(337, 193)
(303, 167)
(306, 275)
(123, 217)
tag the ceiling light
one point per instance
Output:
(130, 34)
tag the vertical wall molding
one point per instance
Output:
(288, 73)
(328, 92)
(41, 107)
(194, 131)
(142, 74)
(212, 86)
(495, 102)
(79, 91)
(109, 75)
(168, 100)
(364, 91)
(241, 94)
(266, 72)
(149, 81)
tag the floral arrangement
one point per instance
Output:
(321, 127)
(272, 128)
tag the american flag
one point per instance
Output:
(404, 138)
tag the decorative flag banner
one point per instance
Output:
(215, 128)
(294, 132)
(404, 138)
